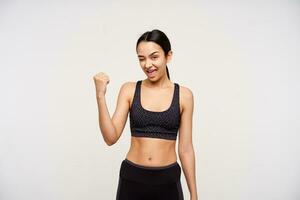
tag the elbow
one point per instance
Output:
(182, 154)
(110, 138)
(186, 151)
(110, 142)
(186, 154)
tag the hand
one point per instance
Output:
(101, 80)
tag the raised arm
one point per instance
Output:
(111, 127)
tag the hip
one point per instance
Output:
(152, 175)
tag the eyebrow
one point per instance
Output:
(149, 54)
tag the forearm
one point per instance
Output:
(187, 160)
(105, 122)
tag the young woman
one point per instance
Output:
(158, 108)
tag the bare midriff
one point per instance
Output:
(154, 152)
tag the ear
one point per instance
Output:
(169, 56)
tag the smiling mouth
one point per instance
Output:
(151, 72)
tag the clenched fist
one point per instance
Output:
(101, 80)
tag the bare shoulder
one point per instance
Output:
(186, 97)
(128, 88)
(186, 92)
(127, 85)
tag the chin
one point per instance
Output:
(153, 79)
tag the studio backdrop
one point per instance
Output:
(239, 58)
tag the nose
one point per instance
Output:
(148, 64)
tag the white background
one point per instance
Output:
(239, 58)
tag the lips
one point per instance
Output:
(151, 72)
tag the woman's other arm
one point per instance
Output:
(185, 144)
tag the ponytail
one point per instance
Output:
(168, 73)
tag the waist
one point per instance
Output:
(152, 151)
(150, 175)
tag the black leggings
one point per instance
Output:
(137, 182)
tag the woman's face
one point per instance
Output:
(152, 59)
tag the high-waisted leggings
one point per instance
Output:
(138, 182)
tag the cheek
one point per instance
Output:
(159, 62)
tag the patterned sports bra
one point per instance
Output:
(160, 124)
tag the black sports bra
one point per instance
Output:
(160, 124)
